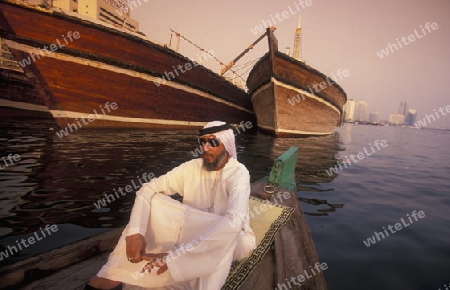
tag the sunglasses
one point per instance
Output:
(214, 142)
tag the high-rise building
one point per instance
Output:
(68, 5)
(349, 111)
(403, 109)
(115, 12)
(411, 117)
(396, 119)
(374, 117)
(361, 111)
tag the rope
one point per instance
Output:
(248, 66)
(204, 51)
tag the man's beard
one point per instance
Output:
(213, 165)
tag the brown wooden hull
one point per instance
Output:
(285, 103)
(107, 65)
(18, 98)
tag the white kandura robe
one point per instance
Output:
(206, 226)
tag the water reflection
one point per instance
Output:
(330, 207)
(57, 181)
(317, 154)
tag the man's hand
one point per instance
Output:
(135, 247)
(155, 260)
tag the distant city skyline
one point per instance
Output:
(358, 111)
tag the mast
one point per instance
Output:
(177, 41)
(273, 42)
(297, 40)
(251, 46)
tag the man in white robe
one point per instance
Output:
(189, 245)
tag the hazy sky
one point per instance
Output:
(339, 34)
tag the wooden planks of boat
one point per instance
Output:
(151, 85)
(284, 101)
(18, 98)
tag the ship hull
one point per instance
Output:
(18, 98)
(285, 101)
(147, 85)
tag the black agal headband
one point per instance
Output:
(214, 129)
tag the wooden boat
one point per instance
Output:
(18, 98)
(289, 251)
(284, 103)
(81, 67)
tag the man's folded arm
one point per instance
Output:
(169, 183)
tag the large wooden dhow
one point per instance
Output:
(284, 100)
(81, 67)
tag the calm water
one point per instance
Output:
(57, 181)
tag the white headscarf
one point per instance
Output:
(225, 136)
